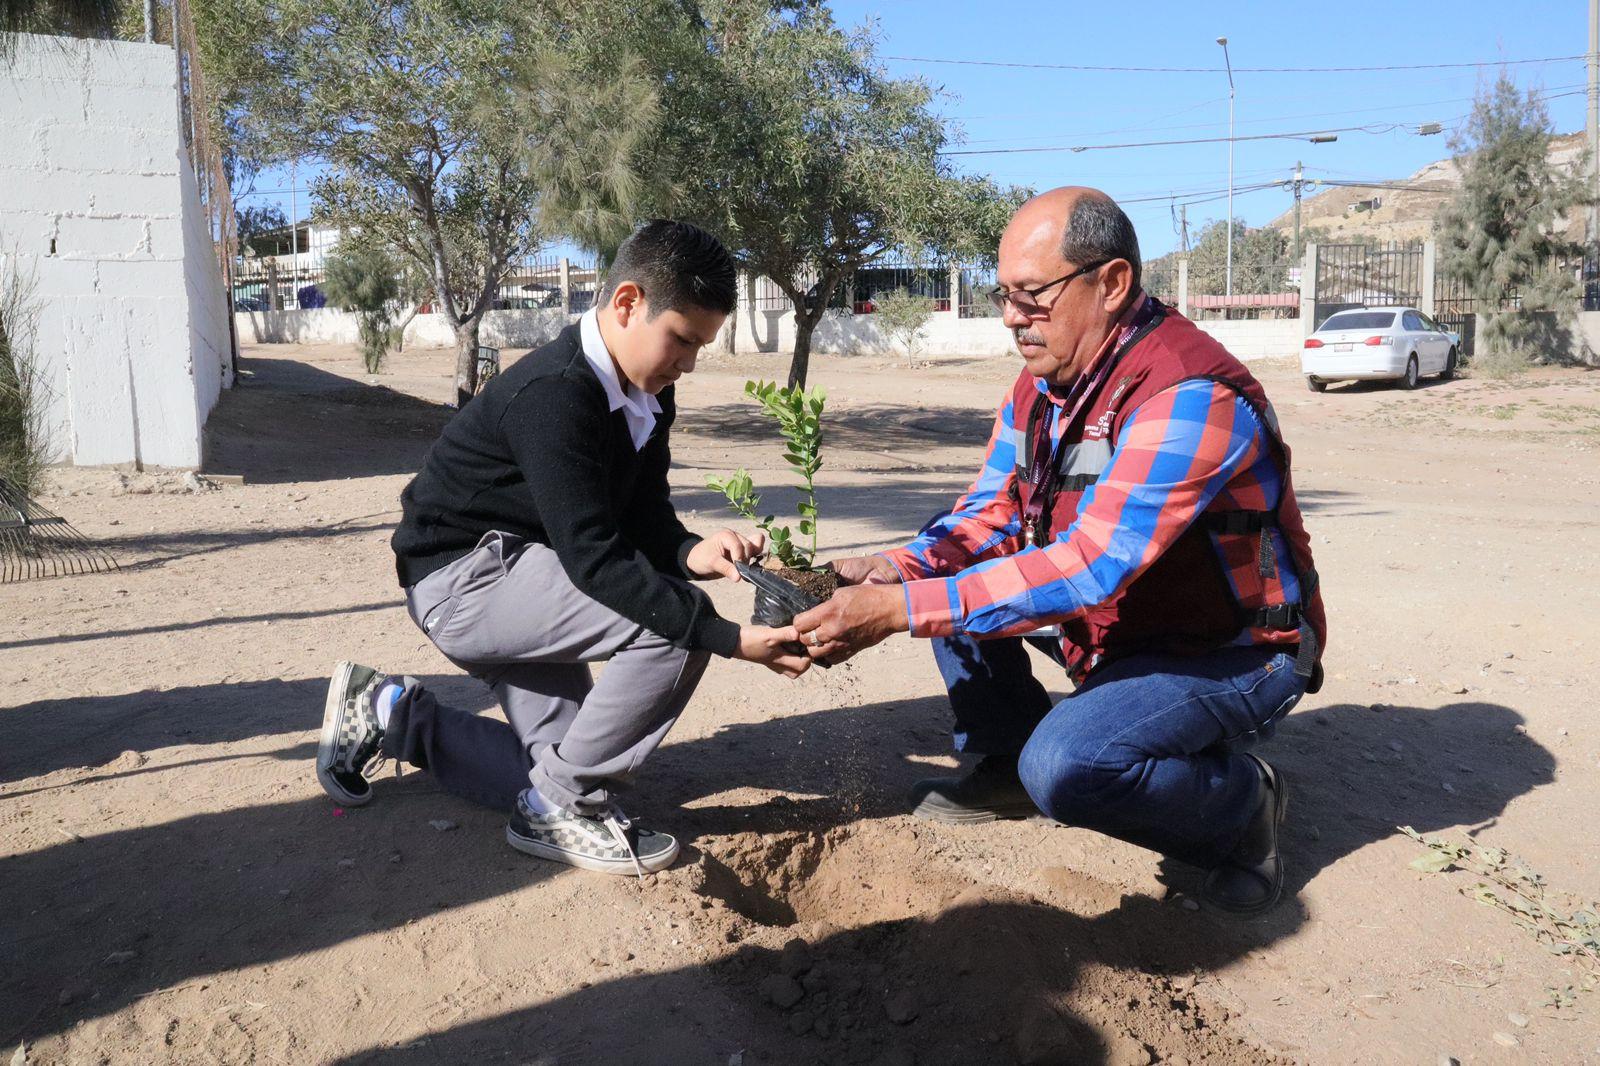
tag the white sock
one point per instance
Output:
(383, 702)
(535, 802)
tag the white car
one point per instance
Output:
(1378, 343)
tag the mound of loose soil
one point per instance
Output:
(863, 945)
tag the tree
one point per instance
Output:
(255, 222)
(1501, 233)
(903, 315)
(1260, 259)
(438, 122)
(822, 163)
(73, 18)
(364, 279)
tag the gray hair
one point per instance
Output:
(1099, 230)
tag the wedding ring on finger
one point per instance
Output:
(815, 640)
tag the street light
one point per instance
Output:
(1223, 41)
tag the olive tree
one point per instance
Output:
(440, 126)
(784, 135)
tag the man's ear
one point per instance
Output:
(1116, 284)
(627, 302)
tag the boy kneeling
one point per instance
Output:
(540, 537)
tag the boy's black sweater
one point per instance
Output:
(539, 455)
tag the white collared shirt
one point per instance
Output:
(638, 407)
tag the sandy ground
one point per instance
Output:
(176, 888)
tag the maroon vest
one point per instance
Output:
(1184, 602)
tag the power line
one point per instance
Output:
(1546, 94)
(1375, 128)
(1236, 70)
(1372, 128)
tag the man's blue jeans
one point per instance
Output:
(1148, 750)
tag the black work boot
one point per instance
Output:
(1250, 881)
(988, 791)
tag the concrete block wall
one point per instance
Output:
(1262, 338)
(98, 204)
(527, 328)
(844, 334)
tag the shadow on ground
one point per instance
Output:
(1005, 976)
(291, 422)
(213, 892)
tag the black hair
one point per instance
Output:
(1099, 230)
(676, 265)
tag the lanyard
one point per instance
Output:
(1044, 472)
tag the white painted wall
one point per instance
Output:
(843, 334)
(97, 201)
(1261, 338)
(502, 329)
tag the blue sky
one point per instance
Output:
(1006, 108)
(1001, 107)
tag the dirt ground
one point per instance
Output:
(177, 889)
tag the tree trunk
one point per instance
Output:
(804, 326)
(400, 330)
(467, 359)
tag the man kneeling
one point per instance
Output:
(540, 537)
(1136, 493)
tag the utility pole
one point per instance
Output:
(294, 231)
(1591, 257)
(1223, 41)
(1298, 183)
(1183, 220)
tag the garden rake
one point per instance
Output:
(36, 543)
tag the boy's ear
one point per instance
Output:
(626, 302)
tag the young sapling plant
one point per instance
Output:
(798, 413)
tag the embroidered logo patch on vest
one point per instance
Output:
(1102, 428)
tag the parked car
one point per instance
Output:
(1370, 343)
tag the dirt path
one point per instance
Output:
(177, 889)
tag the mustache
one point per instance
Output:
(1026, 336)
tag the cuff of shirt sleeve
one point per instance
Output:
(683, 557)
(905, 562)
(933, 607)
(716, 634)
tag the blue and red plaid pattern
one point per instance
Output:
(1193, 447)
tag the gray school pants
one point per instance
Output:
(507, 614)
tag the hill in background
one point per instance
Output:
(1406, 207)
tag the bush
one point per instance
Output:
(23, 455)
(903, 315)
(366, 280)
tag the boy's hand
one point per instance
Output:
(865, 570)
(715, 556)
(776, 649)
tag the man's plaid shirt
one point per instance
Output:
(1195, 446)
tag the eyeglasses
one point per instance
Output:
(1026, 301)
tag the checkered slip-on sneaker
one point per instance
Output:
(608, 843)
(350, 734)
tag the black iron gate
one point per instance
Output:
(1366, 275)
(1453, 308)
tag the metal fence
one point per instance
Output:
(973, 299)
(268, 287)
(857, 292)
(532, 282)
(1364, 275)
(549, 281)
